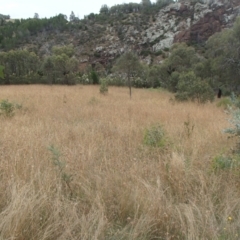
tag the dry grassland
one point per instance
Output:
(119, 187)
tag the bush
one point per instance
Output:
(222, 162)
(83, 79)
(104, 86)
(224, 102)
(155, 136)
(235, 122)
(191, 87)
(225, 162)
(232, 161)
(7, 108)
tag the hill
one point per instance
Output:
(144, 29)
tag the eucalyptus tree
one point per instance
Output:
(129, 66)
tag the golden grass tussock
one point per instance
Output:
(73, 165)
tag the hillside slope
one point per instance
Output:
(102, 37)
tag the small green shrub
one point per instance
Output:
(226, 162)
(224, 102)
(155, 136)
(158, 53)
(7, 108)
(104, 86)
(60, 164)
(222, 162)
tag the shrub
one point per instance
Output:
(224, 102)
(225, 162)
(104, 86)
(7, 108)
(222, 162)
(235, 121)
(158, 53)
(155, 136)
(83, 79)
(61, 165)
(234, 131)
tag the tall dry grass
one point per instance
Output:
(119, 188)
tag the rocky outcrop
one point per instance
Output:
(208, 19)
(178, 22)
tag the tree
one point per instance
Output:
(163, 3)
(180, 60)
(146, 3)
(104, 9)
(224, 51)
(36, 16)
(128, 65)
(48, 69)
(154, 76)
(72, 17)
(191, 87)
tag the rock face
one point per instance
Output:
(208, 19)
(183, 22)
(178, 22)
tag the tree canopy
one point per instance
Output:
(129, 66)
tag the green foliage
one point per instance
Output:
(222, 49)
(224, 162)
(191, 87)
(83, 79)
(94, 77)
(19, 66)
(234, 131)
(224, 102)
(59, 50)
(104, 86)
(129, 66)
(7, 108)
(1, 72)
(62, 67)
(104, 9)
(181, 59)
(155, 136)
(61, 165)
